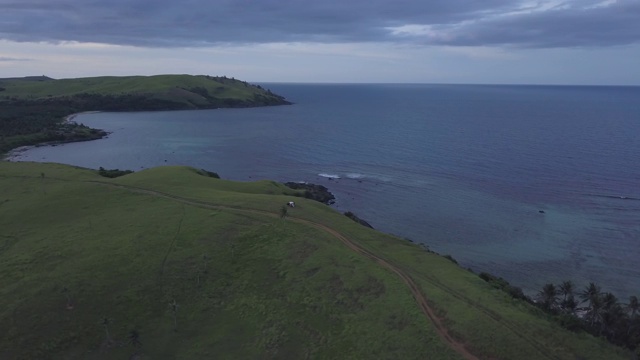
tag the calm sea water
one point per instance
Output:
(463, 169)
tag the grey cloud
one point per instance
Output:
(568, 26)
(164, 23)
(11, 59)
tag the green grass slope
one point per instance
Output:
(76, 248)
(192, 91)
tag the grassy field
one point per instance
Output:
(203, 268)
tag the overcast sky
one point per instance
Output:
(420, 41)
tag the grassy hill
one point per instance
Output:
(32, 108)
(185, 266)
(192, 91)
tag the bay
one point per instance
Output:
(464, 169)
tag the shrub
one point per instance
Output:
(113, 173)
(212, 174)
(449, 257)
(353, 217)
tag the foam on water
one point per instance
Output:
(329, 176)
(355, 176)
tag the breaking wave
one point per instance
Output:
(330, 176)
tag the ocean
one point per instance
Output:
(535, 184)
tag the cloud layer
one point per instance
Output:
(12, 59)
(193, 23)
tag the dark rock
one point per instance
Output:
(353, 217)
(313, 192)
(541, 211)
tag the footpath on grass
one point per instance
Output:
(420, 298)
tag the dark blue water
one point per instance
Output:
(463, 169)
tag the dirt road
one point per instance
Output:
(420, 298)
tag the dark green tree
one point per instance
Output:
(613, 318)
(632, 307)
(590, 294)
(569, 305)
(595, 311)
(566, 289)
(548, 296)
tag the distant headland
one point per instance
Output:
(33, 109)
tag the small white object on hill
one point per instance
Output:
(291, 204)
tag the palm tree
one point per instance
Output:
(549, 296)
(566, 289)
(590, 294)
(612, 316)
(610, 320)
(633, 307)
(609, 300)
(596, 307)
(596, 311)
(569, 305)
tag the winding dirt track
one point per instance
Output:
(420, 298)
(455, 345)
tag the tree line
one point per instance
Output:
(33, 121)
(593, 310)
(586, 309)
(30, 122)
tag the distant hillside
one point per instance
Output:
(160, 91)
(32, 108)
(173, 263)
(27, 78)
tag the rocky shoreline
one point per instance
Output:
(314, 192)
(355, 218)
(322, 194)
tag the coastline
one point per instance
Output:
(70, 118)
(12, 154)
(52, 118)
(480, 202)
